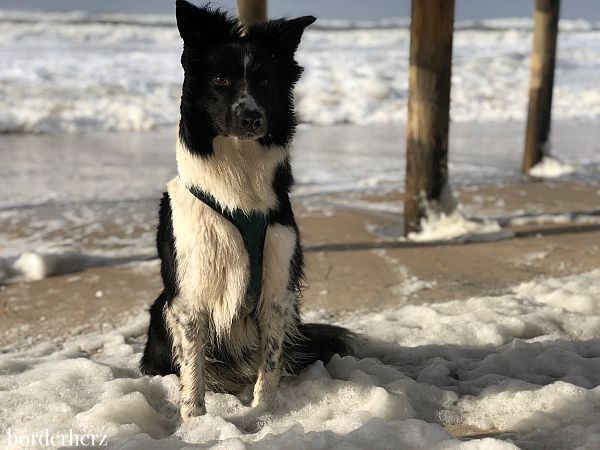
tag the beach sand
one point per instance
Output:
(354, 262)
(94, 197)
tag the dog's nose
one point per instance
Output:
(251, 120)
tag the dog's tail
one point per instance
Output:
(316, 342)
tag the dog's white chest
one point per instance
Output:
(212, 263)
(213, 269)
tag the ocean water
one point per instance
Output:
(80, 72)
(89, 105)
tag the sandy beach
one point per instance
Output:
(354, 261)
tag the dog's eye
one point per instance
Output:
(221, 80)
(264, 82)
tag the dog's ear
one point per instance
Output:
(283, 33)
(202, 25)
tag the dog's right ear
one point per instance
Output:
(282, 33)
(203, 25)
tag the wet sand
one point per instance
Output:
(96, 196)
(130, 167)
(350, 264)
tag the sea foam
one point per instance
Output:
(78, 72)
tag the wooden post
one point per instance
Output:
(543, 57)
(252, 11)
(428, 106)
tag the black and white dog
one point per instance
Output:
(232, 263)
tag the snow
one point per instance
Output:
(522, 367)
(75, 72)
(550, 167)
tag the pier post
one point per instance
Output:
(543, 58)
(431, 29)
(252, 11)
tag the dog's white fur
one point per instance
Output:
(213, 264)
(239, 173)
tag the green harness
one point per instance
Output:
(253, 228)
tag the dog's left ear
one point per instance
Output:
(283, 33)
(203, 25)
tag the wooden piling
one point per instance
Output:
(252, 11)
(428, 107)
(543, 58)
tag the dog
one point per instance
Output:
(228, 318)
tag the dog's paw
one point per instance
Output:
(263, 401)
(247, 395)
(189, 410)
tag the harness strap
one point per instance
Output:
(253, 228)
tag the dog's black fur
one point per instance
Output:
(213, 43)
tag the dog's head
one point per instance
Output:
(237, 83)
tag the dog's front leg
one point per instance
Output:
(189, 330)
(275, 319)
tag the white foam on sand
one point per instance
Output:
(454, 226)
(36, 265)
(550, 167)
(407, 285)
(523, 366)
(444, 221)
(32, 266)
